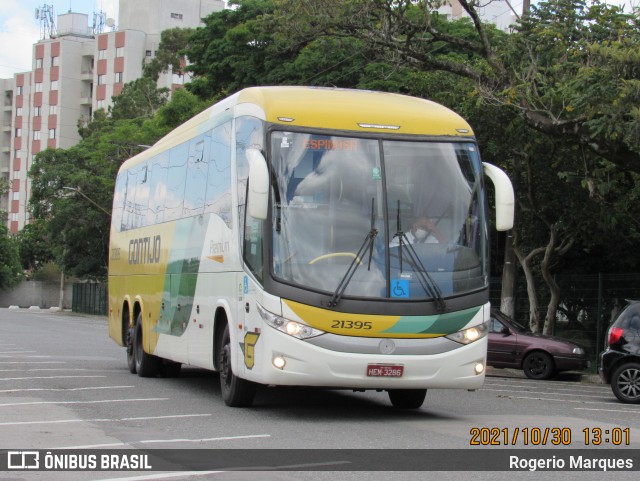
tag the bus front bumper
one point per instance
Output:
(284, 360)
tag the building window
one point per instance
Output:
(100, 104)
(16, 195)
(177, 16)
(120, 52)
(118, 77)
(14, 216)
(54, 85)
(16, 154)
(18, 132)
(102, 54)
(36, 135)
(19, 90)
(101, 79)
(148, 53)
(55, 61)
(38, 63)
(52, 133)
(53, 109)
(39, 87)
(18, 110)
(37, 111)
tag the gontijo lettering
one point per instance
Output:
(145, 250)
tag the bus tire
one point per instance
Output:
(128, 342)
(147, 365)
(236, 392)
(407, 398)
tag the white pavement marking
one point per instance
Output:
(16, 352)
(29, 357)
(151, 441)
(63, 389)
(63, 421)
(637, 411)
(33, 362)
(43, 377)
(572, 394)
(178, 474)
(54, 369)
(85, 402)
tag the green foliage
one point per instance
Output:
(232, 50)
(10, 268)
(169, 54)
(182, 107)
(34, 246)
(140, 98)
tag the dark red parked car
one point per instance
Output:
(540, 357)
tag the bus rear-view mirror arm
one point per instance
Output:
(258, 201)
(504, 196)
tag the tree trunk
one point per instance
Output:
(507, 295)
(554, 289)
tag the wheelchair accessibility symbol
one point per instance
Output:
(399, 288)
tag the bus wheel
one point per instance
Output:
(146, 364)
(131, 358)
(407, 398)
(236, 392)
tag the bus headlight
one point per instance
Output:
(292, 328)
(470, 334)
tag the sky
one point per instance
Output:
(19, 29)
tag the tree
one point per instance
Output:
(169, 54)
(34, 246)
(537, 71)
(140, 98)
(10, 268)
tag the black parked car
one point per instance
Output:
(620, 362)
(539, 356)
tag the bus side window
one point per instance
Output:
(248, 135)
(176, 179)
(196, 182)
(119, 199)
(157, 189)
(218, 194)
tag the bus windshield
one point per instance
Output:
(409, 216)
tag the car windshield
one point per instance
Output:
(401, 219)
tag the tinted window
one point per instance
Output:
(176, 181)
(218, 195)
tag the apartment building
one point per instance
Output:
(75, 72)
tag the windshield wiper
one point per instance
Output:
(367, 244)
(427, 283)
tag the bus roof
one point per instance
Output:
(323, 107)
(355, 110)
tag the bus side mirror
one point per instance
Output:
(258, 201)
(504, 196)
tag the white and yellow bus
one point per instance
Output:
(308, 237)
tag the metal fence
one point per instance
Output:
(90, 298)
(589, 303)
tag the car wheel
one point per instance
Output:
(625, 383)
(407, 398)
(538, 365)
(236, 392)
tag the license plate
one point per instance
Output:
(385, 370)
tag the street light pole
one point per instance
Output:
(77, 189)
